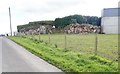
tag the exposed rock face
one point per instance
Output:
(70, 29)
(81, 28)
(41, 29)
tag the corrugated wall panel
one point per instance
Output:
(111, 12)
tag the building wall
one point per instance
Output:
(109, 20)
(110, 25)
(111, 12)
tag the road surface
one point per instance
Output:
(0, 56)
(17, 59)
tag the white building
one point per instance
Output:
(109, 22)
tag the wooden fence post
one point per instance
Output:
(39, 35)
(49, 37)
(32, 36)
(96, 43)
(65, 41)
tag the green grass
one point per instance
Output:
(107, 44)
(65, 59)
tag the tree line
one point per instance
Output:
(62, 22)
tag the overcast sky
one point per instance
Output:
(25, 11)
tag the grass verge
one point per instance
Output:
(66, 60)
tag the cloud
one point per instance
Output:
(24, 11)
(64, 3)
(49, 6)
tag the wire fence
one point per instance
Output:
(97, 44)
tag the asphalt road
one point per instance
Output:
(0, 55)
(17, 59)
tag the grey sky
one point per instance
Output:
(24, 11)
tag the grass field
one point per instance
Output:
(67, 60)
(107, 45)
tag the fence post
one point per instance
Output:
(39, 35)
(65, 41)
(49, 37)
(96, 43)
(32, 36)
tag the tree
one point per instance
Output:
(62, 22)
